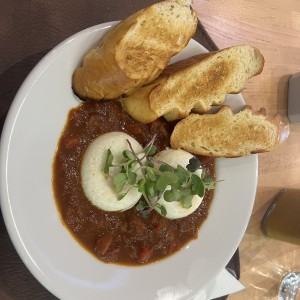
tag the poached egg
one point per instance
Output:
(99, 188)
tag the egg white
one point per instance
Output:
(99, 189)
(174, 158)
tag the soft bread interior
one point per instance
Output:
(135, 52)
(197, 83)
(206, 82)
(159, 33)
(225, 134)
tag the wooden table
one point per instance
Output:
(273, 26)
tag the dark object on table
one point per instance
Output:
(30, 29)
(294, 99)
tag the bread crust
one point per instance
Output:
(135, 52)
(225, 134)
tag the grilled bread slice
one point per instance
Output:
(195, 84)
(136, 51)
(225, 134)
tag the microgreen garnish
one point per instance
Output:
(155, 179)
(108, 162)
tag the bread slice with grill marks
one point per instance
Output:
(195, 84)
(136, 51)
(225, 134)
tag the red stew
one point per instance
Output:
(120, 237)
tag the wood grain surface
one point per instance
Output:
(273, 26)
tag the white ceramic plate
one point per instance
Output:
(28, 144)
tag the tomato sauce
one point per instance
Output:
(117, 237)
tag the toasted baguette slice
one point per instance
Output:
(135, 52)
(195, 84)
(225, 134)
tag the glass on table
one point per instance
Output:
(289, 287)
